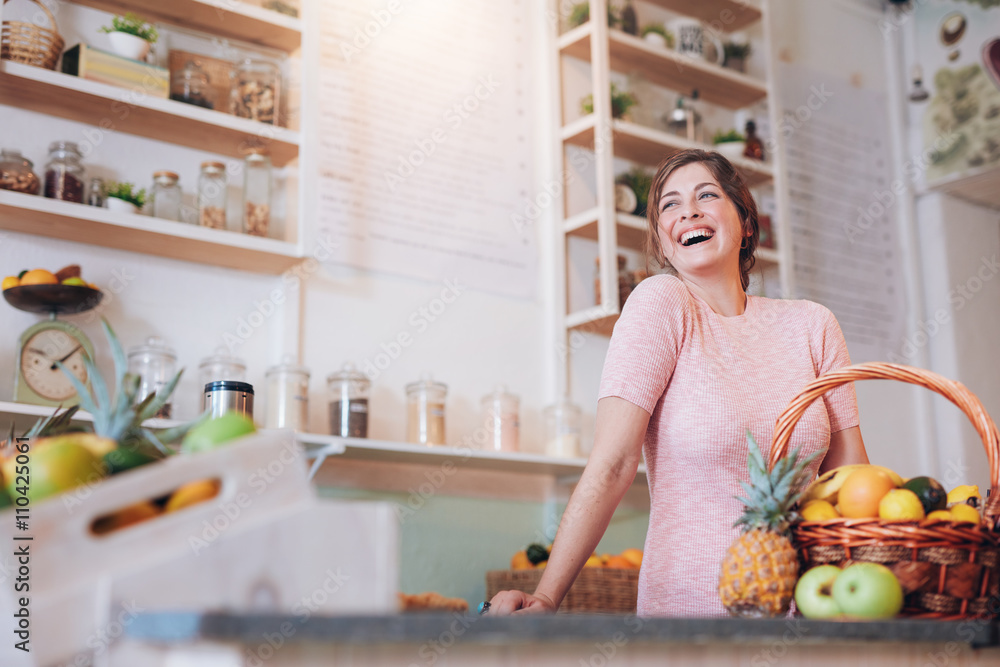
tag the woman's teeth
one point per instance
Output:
(696, 236)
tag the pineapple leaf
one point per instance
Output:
(151, 438)
(159, 399)
(86, 401)
(99, 387)
(117, 353)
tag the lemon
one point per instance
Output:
(964, 513)
(967, 494)
(594, 561)
(10, 281)
(943, 515)
(818, 510)
(900, 504)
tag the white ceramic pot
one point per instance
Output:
(731, 149)
(656, 39)
(116, 204)
(128, 46)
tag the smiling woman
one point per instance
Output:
(694, 363)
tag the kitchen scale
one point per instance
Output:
(37, 378)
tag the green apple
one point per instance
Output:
(79, 282)
(813, 592)
(218, 431)
(868, 590)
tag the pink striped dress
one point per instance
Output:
(705, 379)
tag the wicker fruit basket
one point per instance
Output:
(947, 570)
(31, 44)
(598, 590)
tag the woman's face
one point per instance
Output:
(699, 227)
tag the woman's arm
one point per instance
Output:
(846, 447)
(619, 432)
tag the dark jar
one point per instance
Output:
(64, 173)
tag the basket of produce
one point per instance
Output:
(608, 584)
(23, 42)
(942, 547)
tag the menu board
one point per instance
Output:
(425, 143)
(842, 206)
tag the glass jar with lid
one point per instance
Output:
(154, 363)
(64, 173)
(212, 195)
(166, 200)
(501, 420)
(254, 90)
(256, 192)
(348, 392)
(217, 367)
(287, 396)
(17, 172)
(190, 85)
(562, 429)
(425, 401)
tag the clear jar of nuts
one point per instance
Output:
(254, 91)
(256, 192)
(212, 195)
(17, 173)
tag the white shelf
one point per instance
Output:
(34, 214)
(631, 229)
(23, 416)
(594, 320)
(980, 186)
(223, 18)
(93, 103)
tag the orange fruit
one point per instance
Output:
(619, 563)
(127, 516)
(520, 561)
(542, 565)
(39, 277)
(862, 491)
(192, 493)
(10, 281)
(594, 561)
(633, 556)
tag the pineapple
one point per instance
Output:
(760, 569)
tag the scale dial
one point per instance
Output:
(41, 347)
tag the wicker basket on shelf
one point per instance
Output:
(947, 570)
(31, 44)
(598, 590)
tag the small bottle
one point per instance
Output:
(630, 23)
(348, 391)
(154, 363)
(166, 195)
(64, 173)
(501, 420)
(212, 195)
(287, 396)
(425, 401)
(256, 192)
(562, 429)
(754, 146)
(695, 128)
(95, 193)
(219, 366)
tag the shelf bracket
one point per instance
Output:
(321, 453)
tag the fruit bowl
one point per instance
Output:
(55, 299)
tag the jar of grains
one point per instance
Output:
(425, 411)
(254, 90)
(17, 172)
(64, 173)
(212, 195)
(256, 192)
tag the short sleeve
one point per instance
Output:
(842, 402)
(646, 342)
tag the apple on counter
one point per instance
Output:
(814, 592)
(865, 591)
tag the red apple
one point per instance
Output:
(868, 590)
(813, 592)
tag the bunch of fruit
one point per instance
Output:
(68, 275)
(869, 491)
(537, 556)
(860, 590)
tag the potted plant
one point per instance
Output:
(580, 14)
(122, 196)
(731, 143)
(640, 181)
(656, 33)
(736, 54)
(621, 102)
(130, 36)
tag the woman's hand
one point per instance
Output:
(505, 603)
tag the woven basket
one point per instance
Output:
(31, 44)
(948, 570)
(598, 590)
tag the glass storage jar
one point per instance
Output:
(95, 193)
(562, 429)
(256, 192)
(219, 366)
(348, 392)
(425, 411)
(501, 420)
(166, 195)
(64, 173)
(17, 172)
(254, 90)
(190, 85)
(154, 363)
(287, 396)
(212, 195)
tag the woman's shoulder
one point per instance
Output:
(800, 311)
(662, 287)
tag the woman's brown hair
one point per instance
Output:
(733, 186)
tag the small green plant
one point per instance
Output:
(736, 50)
(580, 14)
(640, 180)
(658, 29)
(124, 190)
(133, 25)
(727, 137)
(621, 102)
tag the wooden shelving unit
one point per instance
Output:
(33, 214)
(98, 104)
(729, 15)
(631, 228)
(978, 186)
(226, 18)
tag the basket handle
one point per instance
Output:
(52, 19)
(954, 391)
